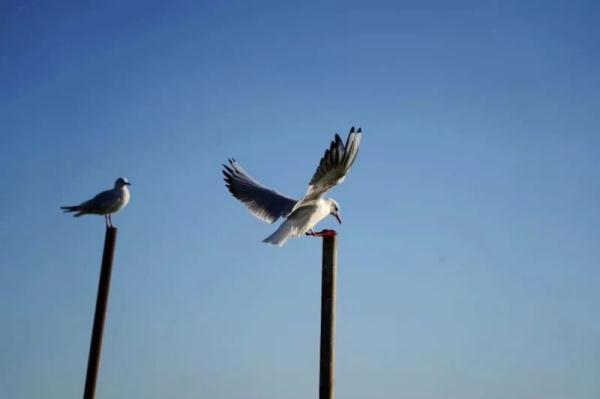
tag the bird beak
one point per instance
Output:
(128, 184)
(338, 218)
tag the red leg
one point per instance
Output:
(325, 233)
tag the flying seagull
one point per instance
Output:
(105, 203)
(300, 216)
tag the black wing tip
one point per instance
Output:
(230, 186)
(228, 171)
(229, 178)
(233, 168)
(355, 130)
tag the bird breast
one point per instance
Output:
(323, 208)
(121, 200)
(125, 196)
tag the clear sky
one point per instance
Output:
(469, 253)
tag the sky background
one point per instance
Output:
(468, 263)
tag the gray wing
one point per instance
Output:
(265, 203)
(100, 202)
(334, 165)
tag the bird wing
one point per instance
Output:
(334, 165)
(100, 203)
(265, 203)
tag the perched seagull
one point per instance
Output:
(105, 203)
(300, 216)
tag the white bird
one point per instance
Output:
(300, 216)
(105, 203)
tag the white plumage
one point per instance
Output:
(106, 203)
(301, 216)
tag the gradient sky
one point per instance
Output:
(469, 253)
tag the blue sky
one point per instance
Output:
(469, 252)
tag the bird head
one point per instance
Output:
(335, 209)
(121, 182)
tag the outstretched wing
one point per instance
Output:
(265, 203)
(334, 165)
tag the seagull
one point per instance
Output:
(105, 203)
(300, 216)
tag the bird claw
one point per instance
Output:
(322, 233)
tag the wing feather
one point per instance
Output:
(335, 164)
(265, 203)
(99, 203)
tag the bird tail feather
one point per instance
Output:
(281, 235)
(70, 208)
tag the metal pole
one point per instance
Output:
(326, 375)
(100, 314)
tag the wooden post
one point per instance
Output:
(100, 315)
(327, 368)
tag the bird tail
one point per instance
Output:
(76, 208)
(281, 235)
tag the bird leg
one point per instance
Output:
(310, 232)
(105, 220)
(324, 233)
(110, 220)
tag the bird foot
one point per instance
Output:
(322, 233)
